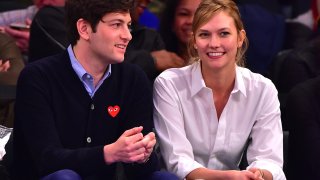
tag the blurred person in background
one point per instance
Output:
(175, 25)
(17, 23)
(147, 48)
(11, 64)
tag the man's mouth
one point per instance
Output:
(121, 46)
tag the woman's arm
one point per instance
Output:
(265, 151)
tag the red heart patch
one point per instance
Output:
(113, 111)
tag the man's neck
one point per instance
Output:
(95, 67)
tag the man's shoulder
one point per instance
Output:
(127, 68)
(128, 72)
(54, 62)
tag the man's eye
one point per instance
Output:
(116, 25)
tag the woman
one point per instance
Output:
(175, 25)
(207, 112)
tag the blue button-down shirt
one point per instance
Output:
(84, 76)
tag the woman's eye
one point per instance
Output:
(203, 35)
(223, 34)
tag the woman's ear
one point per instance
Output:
(241, 37)
(84, 29)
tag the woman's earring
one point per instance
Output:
(195, 47)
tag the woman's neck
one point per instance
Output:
(219, 81)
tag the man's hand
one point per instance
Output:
(130, 147)
(4, 66)
(165, 59)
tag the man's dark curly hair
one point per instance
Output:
(92, 11)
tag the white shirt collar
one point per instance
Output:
(197, 81)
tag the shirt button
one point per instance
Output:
(92, 107)
(88, 139)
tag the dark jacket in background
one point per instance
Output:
(301, 64)
(266, 32)
(48, 33)
(303, 114)
(144, 41)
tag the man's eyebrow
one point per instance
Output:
(115, 20)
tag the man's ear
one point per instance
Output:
(84, 29)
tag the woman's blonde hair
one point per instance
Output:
(203, 14)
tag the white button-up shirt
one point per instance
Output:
(191, 135)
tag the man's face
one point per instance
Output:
(111, 38)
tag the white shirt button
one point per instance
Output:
(88, 139)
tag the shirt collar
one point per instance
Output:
(78, 68)
(75, 63)
(197, 81)
(239, 83)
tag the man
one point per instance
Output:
(80, 112)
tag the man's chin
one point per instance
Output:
(117, 61)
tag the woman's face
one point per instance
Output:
(183, 19)
(217, 42)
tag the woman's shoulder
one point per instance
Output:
(253, 78)
(177, 73)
